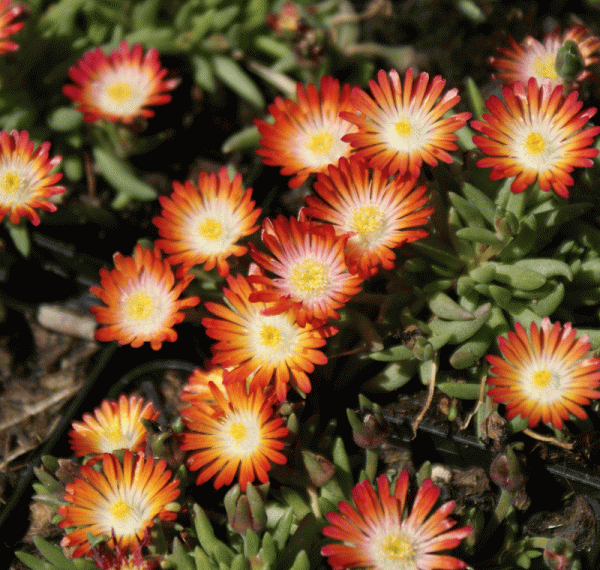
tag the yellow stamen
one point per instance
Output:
(210, 229)
(139, 306)
(398, 548)
(366, 220)
(541, 378)
(320, 143)
(119, 91)
(10, 184)
(310, 277)
(114, 437)
(238, 432)
(120, 510)
(535, 143)
(270, 335)
(403, 129)
(544, 67)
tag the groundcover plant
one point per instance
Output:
(351, 237)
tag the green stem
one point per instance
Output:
(504, 503)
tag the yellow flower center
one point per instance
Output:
(119, 91)
(541, 378)
(210, 229)
(535, 143)
(238, 432)
(139, 306)
(310, 277)
(320, 143)
(398, 548)
(270, 335)
(120, 510)
(366, 220)
(10, 184)
(544, 67)
(403, 129)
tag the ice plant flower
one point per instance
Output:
(401, 125)
(240, 434)
(124, 498)
(203, 223)
(142, 300)
(272, 349)
(196, 388)
(312, 275)
(532, 58)
(545, 376)
(25, 179)
(7, 25)
(375, 533)
(538, 134)
(113, 426)
(120, 86)
(380, 213)
(306, 135)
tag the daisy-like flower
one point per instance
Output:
(375, 533)
(25, 179)
(401, 125)
(239, 435)
(537, 59)
(203, 223)
(268, 348)
(7, 26)
(123, 499)
(142, 300)
(306, 136)
(380, 213)
(196, 388)
(538, 134)
(114, 425)
(120, 86)
(312, 275)
(544, 376)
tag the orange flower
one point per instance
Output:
(401, 125)
(7, 27)
(124, 498)
(306, 136)
(114, 425)
(203, 223)
(312, 275)
(25, 179)
(379, 213)
(375, 533)
(142, 298)
(545, 376)
(263, 347)
(239, 434)
(532, 58)
(196, 388)
(119, 87)
(538, 134)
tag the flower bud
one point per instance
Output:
(318, 468)
(558, 554)
(505, 471)
(246, 510)
(569, 61)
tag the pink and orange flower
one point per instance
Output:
(306, 136)
(312, 277)
(120, 86)
(113, 426)
(121, 501)
(532, 58)
(203, 222)
(8, 26)
(544, 376)
(25, 178)
(240, 434)
(375, 534)
(142, 300)
(269, 349)
(538, 134)
(379, 213)
(401, 124)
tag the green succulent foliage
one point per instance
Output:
(54, 558)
